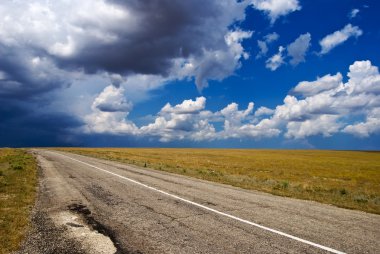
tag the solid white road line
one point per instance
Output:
(209, 209)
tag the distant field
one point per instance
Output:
(343, 178)
(18, 179)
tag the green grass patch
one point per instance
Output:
(349, 179)
(18, 179)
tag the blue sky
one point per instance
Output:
(241, 74)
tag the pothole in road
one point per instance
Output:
(96, 226)
(79, 208)
(82, 227)
(91, 240)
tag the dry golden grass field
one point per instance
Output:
(18, 179)
(349, 179)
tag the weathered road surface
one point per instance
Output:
(148, 211)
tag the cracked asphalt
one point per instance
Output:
(141, 220)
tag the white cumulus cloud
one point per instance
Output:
(263, 44)
(262, 111)
(325, 83)
(112, 99)
(274, 62)
(187, 120)
(353, 13)
(215, 64)
(109, 113)
(298, 49)
(186, 107)
(370, 126)
(338, 37)
(329, 106)
(276, 8)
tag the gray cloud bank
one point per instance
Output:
(43, 44)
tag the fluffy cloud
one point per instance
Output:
(274, 62)
(364, 78)
(186, 107)
(269, 38)
(370, 126)
(237, 124)
(276, 8)
(298, 49)
(329, 106)
(187, 120)
(109, 114)
(233, 116)
(262, 111)
(263, 44)
(112, 100)
(325, 83)
(338, 37)
(217, 64)
(263, 49)
(321, 124)
(353, 13)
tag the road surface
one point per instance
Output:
(88, 205)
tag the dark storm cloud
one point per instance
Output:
(20, 126)
(23, 76)
(41, 44)
(160, 32)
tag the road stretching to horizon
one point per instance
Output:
(138, 210)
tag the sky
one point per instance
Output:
(286, 74)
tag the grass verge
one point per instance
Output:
(18, 179)
(349, 179)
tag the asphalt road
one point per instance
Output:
(88, 205)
